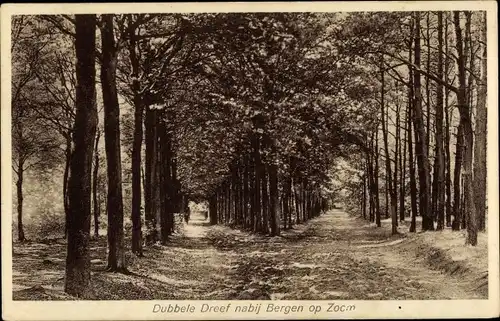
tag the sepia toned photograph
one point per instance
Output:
(231, 163)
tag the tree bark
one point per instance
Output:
(20, 198)
(421, 138)
(116, 249)
(65, 182)
(427, 87)
(79, 187)
(447, 130)
(465, 120)
(376, 174)
(363, 202)
(397, 157)
(212, 209)
(274, 212)
(480, 132)
(413, 183)
(97, 205)
(165, 181)
(448, 166)
(150, 175)
(257, 183)
(303, 189)
(392, 205)
(234, 192)
(297, 200)
(439, 170)
(411, 159)
(265, 199)
(457, 175)
(371, 181)
(136, 149)
(402, 187)
(246, 190)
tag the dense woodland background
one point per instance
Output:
(119, 121)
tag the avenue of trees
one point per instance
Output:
(250, 113)
(430, 141)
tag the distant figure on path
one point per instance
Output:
(187, 213)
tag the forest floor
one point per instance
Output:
(335, 256)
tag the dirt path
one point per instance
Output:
(197, 226)
(332, 257)
(340, 257)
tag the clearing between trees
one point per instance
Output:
(334, 256)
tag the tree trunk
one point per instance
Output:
(136, 150)
(157, 165)
(303, 190)
(421, 138)
(447, 130)
(241, 196)
(228, 201)
(274, 212)
(371, 181)
(79, 187)
(256, 184)
(234, 192)
(376, 193)
(465, 120)
(177, 202)
(296, 182)
(116, 250)
(363, 202)
(439, 170)
(97, 207)
(163, 180)
(19, 185)
(246, 190)
(287, 200)
(65, 182)
(166, 183)
(150, 175)
(411, 159)
(480, 132)
(265, 199)
(413, 183)
(427, 87)
(457, 209)
(402, 181)
(448, 165)
(212, 209)
(397, 158)
(392, 205)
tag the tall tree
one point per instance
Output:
(79, 187)
(392, 196)
(409, 120)
(465, 120)
(274, 212)
(457, 174)
(447, 128)
(421, 148)
(376, 185)
(137, 140)
(480, 135)
(439, 169)
(95, 186)
(116, 249)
